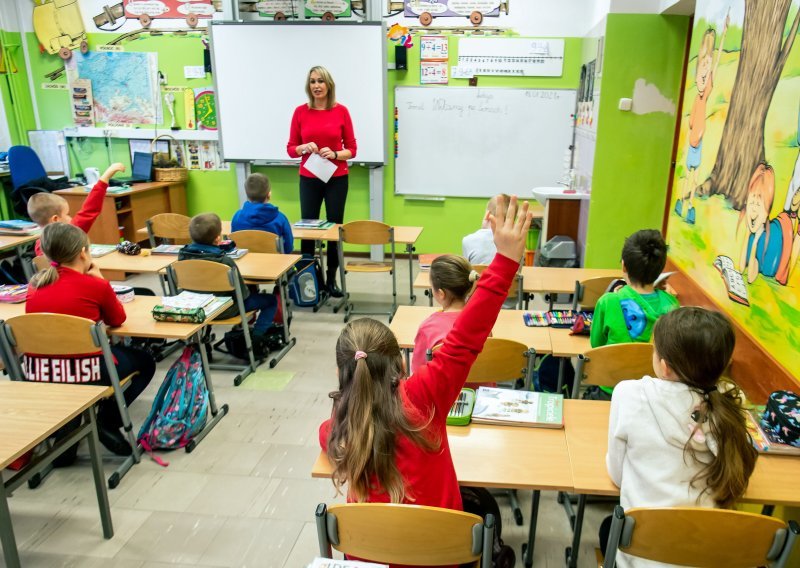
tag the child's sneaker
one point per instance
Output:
(679, 207)
(690, 216)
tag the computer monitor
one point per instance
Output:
(142, 165)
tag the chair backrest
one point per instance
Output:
(170, 226)
(588, 291)
(25, 165)
(257, 241)
(404, 534)
(66, 335)
(608, 365)
(41, 262)
(366, 233)
(694, 536)
(202, 276)
(500, 361)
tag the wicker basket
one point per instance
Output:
(167, 174)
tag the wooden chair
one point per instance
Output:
(258, 241)
(501, 361)
(206, 276)
(405, 534)
(67, 336)
(608, 365)
(588, 291)
(40, 263)
(172, 227)
(366, 233)
(693, 536)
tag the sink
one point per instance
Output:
(542, 194)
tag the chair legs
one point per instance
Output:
(349, 308)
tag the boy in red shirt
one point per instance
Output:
(46, 208)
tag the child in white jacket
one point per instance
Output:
(680, 439)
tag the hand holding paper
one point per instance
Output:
(320, 167)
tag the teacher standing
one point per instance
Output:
(323, 127)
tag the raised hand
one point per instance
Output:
(510, 226)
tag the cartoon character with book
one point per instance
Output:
(768, 248)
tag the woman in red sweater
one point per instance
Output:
(323, 126)
(386, 438)
(74, 286)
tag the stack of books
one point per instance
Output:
(18, 228)
(192, 300)
(313, 224)
(101, 250)
(425, 260)
(518, 408)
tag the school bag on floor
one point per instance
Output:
(479, 501)
(305, 283)
(180, 408)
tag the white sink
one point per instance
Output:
(542, 194)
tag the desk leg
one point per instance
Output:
(27, 267)
(216, 413)
(283, 285)
(97, 472)
(7, 539)
(561, 363)
(323, 292)
(573, 551)
(527, 552)
(410, 251)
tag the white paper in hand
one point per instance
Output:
(320, 167)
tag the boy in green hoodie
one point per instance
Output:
(628, 314)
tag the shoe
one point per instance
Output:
(679, 207)
(334, 291)
(690, 216)
(114, 441)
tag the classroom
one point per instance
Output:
(388, 283)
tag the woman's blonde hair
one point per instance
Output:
(454, 276)
(61, 243)
(369, 415)
(328, 79)
(697, 344)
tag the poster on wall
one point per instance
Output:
(733, 222)
(124, 85)
(81, 102)
(460, 8)
(169, 8)
(521, 57)
(433, 72)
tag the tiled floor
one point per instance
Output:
(244, 497)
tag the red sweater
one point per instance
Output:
(330, 128)
(90, 210)
(430, 476)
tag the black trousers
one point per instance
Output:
(312, 193)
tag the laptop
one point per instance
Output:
(142, 169)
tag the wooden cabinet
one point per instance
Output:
(126, 211)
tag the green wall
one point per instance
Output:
(14, 88)
(633, 152)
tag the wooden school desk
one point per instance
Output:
(29, 414)
(8, 242)
(136, 264)
(507, 457)
(774, 480)
(130, 208)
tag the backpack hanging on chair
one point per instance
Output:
(180, 408)
(478, 501)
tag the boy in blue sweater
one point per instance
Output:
(258, 214)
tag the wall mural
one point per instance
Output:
(733, 226)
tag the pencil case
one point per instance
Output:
(781, 418)
(461, 412)
(179, 315)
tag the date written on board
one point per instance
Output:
(110, 48)
(54, 86)
(543, 94)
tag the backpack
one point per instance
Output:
(233, 343)
(478, 501)
(304, 285)
(180, 408)
(545, 375)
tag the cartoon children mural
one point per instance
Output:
(769, 246)
(705, 75)
(791, 207)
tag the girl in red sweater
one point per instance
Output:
(72, 285)
(386, 438)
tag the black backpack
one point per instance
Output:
(478, 501)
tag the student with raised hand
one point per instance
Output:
(452, 280)
(73, 286)
(386, 438)
(679, 439)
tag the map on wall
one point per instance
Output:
(124, 85)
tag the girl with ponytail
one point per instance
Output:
(452, 281)
(680, 439)
(386, 437)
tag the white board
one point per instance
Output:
(467, 141)
(260, 71)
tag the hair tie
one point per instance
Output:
(473, 275)
(360, 355)
(54, 264)
(708, 391)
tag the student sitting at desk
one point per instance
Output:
(680, 440)
(478, 247)
(628, 314)
(206, 232)
(46, 208)
(260, 215)
(386, 438)
(72, 285)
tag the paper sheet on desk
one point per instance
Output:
(320, 167)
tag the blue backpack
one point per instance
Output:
(180, 408)
(305, 283)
